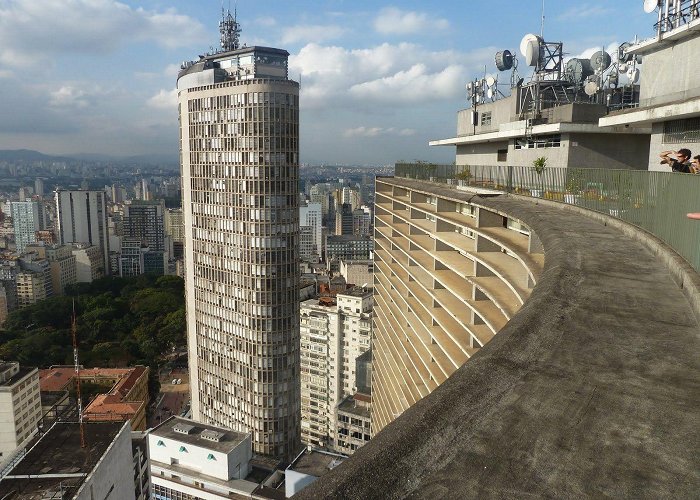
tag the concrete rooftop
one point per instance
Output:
(591, 390)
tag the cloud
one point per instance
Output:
(69, 97)
(311, 33)
(583, 11)
(85, 26)
(394, 21)
(384, 75)
(377, 131)
(164, 99)
(266, 21)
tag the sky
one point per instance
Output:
(379, 79)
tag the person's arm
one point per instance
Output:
(694, 215)
(666, 157)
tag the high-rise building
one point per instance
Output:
(143, 221)
(311, 216)
(239, 118)
(448, 275)
(26, 220)
(39, 186)
(175, 229)
(334, 333)
(81, 217)
(343, 219)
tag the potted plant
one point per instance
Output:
(539, 165)
(463, 176)
(574, 184)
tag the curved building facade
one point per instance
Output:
(239, 122)
(448, 275)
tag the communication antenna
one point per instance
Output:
(542, 25)
(230, 29)
(76, 363)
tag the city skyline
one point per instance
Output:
(377, 79)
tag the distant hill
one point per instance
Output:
(30, 155)
(26, 155)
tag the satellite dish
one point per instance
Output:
(470, 86)
(613, 79)
(489, 93)
(633, 75)
(504, 60)
(532, 52)
(490, 81)
(590, 88)
(600, 61)
(650, 5)
(577, 70)
(621, 56)
(525, 41)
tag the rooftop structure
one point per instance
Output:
(190, 458)
(307, 467)
(57, 467)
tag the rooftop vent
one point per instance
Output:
(211, 435)
(183, 428)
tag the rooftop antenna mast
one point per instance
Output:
(76, 362)
(230, 29)
(542, 24)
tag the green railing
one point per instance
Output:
(655, 201)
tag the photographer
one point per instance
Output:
(678, 161)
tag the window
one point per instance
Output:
(183, 449)
(160, 443)
(485, 118)
(537, 142)
(211, 457)
(682, 131)
(502, 155)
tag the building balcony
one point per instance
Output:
(592, 386)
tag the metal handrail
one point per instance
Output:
(654, 201)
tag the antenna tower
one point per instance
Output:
(230, 30)
(76, 362)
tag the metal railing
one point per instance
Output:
(654, 201)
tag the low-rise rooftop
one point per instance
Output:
(198, 434)
(316, 463)
(57, 462)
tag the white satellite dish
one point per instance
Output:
(469, 86)
(489, 93)
(590, 88)
(490, 81)
(650, 5)
(532, 53)
(633, 75)
(525, 41)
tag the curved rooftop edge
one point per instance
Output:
(591, 390)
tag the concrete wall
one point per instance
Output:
(608, 151)
(556, 157)
(482, 153)
(113, 476)
(657, 145)
(668, 74)
(502, 111)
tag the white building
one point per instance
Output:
(191, 460)
(89, 263)
(20, 407)
(81, 217)
(311, 216)
(333, 335)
